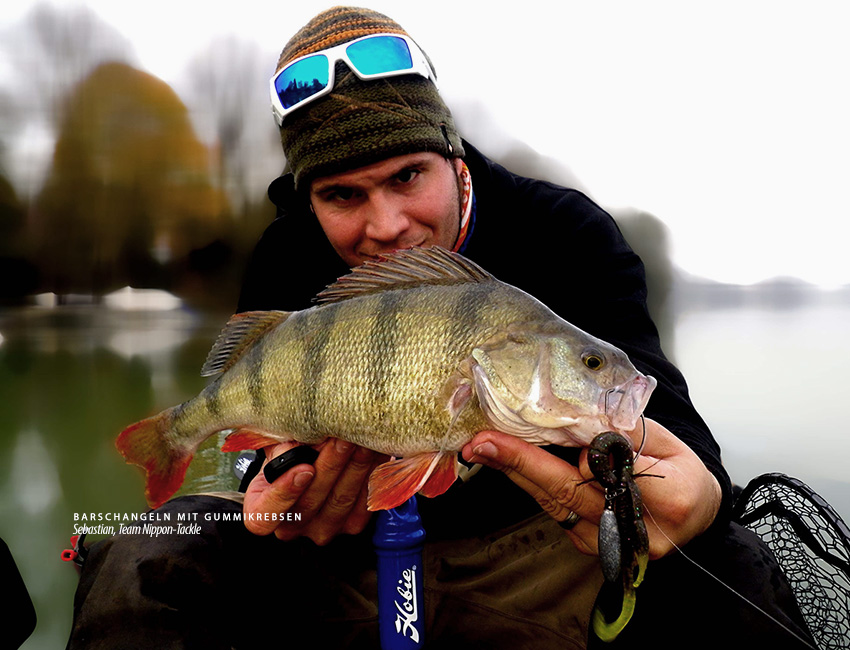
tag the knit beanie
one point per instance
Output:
(361, 122)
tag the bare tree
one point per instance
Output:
(49, 52)
(54, 48)
(226, 87)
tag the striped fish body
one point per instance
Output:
(410, 357)
(370, 370)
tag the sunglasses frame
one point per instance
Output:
(419, 65)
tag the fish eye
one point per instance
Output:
(593, 359)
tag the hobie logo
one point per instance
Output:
(408, 608)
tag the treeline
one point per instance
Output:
(131, 194)
(128, 200)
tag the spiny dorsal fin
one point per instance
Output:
(405, 268)
(238, 335)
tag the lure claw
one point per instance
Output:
(623, 540)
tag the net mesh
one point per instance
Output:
(812, 545)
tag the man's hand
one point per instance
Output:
(330, 495)
(683, 503)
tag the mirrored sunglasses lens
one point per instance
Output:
(380, 54)
(302, 79)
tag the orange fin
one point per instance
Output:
(144, 444)
(442, 476)
(247, 439)
(394, 482)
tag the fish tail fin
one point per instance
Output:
(394, 482)
(146, 445)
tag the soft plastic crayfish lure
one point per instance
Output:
(623, 541)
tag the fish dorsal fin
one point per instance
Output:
(405, 268)
(238, 335)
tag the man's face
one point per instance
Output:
(402, 202)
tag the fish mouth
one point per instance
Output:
(624, 404)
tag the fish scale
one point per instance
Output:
(410, 356)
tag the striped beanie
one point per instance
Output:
(361, 122)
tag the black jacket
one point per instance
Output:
(552, 242)
(169, 591)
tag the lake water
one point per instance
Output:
(772, 385)
(769, 382)
(70, 379)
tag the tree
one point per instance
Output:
(18, 275)
(227, 87)
(49, 52)
(128, 190)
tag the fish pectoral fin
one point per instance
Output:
(395, 481)
(242, 439)
(457, 392)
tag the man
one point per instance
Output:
(377, 165)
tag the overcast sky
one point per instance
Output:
(727, 120)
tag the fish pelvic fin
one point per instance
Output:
(395, 481)
(145, 444)
(404, 269)
(442, 477)
(242, 439)
(237, 336)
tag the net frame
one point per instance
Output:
(812, 546)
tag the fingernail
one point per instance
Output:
(342, 447)
(302, 479)
(486, 450)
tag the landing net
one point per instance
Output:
(812, 545)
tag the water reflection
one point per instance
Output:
(70, 380)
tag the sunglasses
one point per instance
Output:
(377, 56)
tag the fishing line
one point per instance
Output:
(696, 564)
(642, 421)
(732, 589)
(642, 440)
